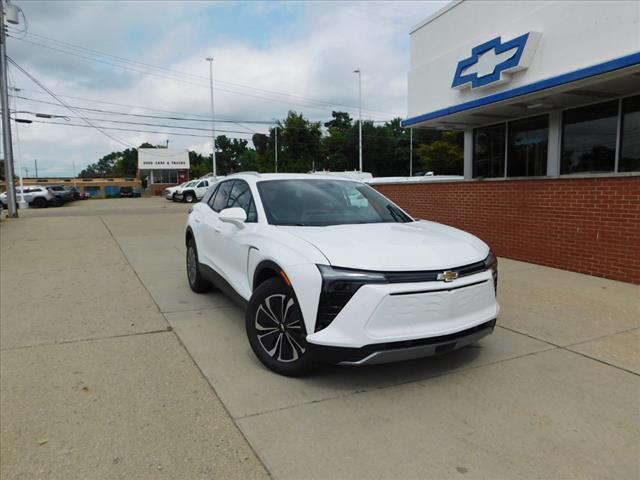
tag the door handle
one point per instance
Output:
(217, 228)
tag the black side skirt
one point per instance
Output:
(214, 277)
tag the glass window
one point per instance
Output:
(210, 193)
(165, 176)
(222, 196)
(528, 142)
(630, 138)
(240, 196)
(488, 151)
(589, 138)
(325, 202)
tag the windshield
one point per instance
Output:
(320, 202)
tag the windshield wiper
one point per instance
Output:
(394, 214)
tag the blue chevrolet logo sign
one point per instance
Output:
(491, 62)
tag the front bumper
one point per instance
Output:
(381, 319)
(399, 351)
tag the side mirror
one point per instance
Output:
(235, 215)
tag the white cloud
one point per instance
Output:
(313, 57)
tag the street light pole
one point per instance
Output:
(213, 118)
(276, 148)
(12, 210)
(359, 118)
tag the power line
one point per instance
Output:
(272, 97)
(62, 102)
(98, 53)
(128, 130)
(157, 125)
(112, 112)
(161, 117)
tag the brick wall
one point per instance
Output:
(587, 225)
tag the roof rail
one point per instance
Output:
(255, 174)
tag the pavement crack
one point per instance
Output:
(602, 361)
(90, 339)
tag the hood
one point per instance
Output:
(410, 246)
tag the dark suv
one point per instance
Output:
(63, 194)
(129, 192)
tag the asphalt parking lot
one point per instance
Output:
(112, 368)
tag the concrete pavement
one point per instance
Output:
(93, 382)
(553, 393)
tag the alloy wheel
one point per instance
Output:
(279, 328)
(191, 265)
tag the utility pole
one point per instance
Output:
(36, 162)
(411, 152)
(276, 148)
(359, 118)
(12, 210)
(213, 118)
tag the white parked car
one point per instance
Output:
(332, 271)
(171, 191)
(34, 195)
(193, 191)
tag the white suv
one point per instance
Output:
(332, 271)
(34, 195)
(193, 191)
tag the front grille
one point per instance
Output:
(432, 275)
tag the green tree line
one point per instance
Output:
(304, 146)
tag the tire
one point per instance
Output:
(173, 197)
(196, 281)
(189, 197)
(275, 329)
(39, 202)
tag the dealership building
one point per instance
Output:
(548, 96)
(159, 168)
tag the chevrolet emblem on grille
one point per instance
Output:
(448, 276)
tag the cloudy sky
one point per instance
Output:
(148, 58)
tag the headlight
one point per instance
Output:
(491, 262)
(344, 280)
(338, 286)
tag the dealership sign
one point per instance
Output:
(162, 159)
(492, 62)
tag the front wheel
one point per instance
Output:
(189, 197)
(196, 281)
(39, 202)
(275, 329)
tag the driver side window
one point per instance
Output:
(240, 196)
(220, 198)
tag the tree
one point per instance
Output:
(444, 156)
(228, 153)
(299, 146)
(260, 141)
(342, 122)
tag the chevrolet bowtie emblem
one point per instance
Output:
(448, 276)
(492, 62)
